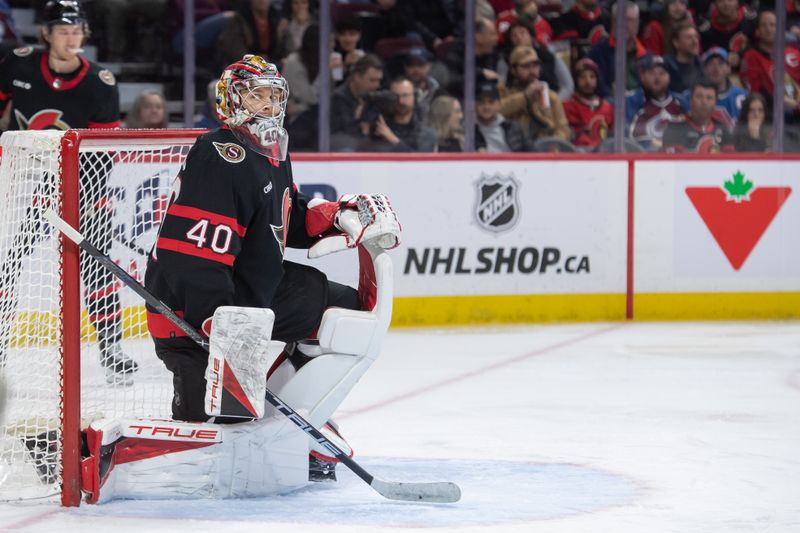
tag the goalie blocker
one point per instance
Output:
(151, 459)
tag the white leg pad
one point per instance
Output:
(350, 342)
(150, 459)
(238, 361)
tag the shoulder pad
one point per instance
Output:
(23, 51)
(107, 77)
(230, 152)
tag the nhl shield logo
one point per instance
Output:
(497, 206)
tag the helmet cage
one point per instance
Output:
(239, 93)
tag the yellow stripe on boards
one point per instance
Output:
(509, 309)
(36, 328)
(716, 306)
(33, 328)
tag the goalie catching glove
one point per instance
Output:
(353, 219)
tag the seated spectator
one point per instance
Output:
(727, 26)
(554, 71)
(149, 111)
(757, 66)
(347, 39)
(493, 133)
(649, 109)
(298, 15)
(752, 133)
(301, 69)
(529, 101)
(697, 130)
(253, 29)
(526, 13)
(352, 116)
(603, 52)
(685, 67)
(656, 33)
(447, 121)
(417, 68)
(489, 61)
(586, 20)
(717, 70)
(398, 129)
(589, 116)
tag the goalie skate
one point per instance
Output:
(42, 451)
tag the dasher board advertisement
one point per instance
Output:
(717, 226)
(491, 227)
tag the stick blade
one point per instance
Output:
(439, 492)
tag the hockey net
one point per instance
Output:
(54, 348)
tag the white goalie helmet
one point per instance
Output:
(251, 101)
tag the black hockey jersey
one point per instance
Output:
(685, 135)
(222, 239)
(42, 99)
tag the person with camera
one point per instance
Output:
(397, 128)
(352, 113)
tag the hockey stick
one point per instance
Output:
(438, 492)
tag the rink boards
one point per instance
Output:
(502, 239)
(529, 239)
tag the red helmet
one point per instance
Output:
(251, 100)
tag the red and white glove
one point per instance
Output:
(353, 219)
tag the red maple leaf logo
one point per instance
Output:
(738, 218)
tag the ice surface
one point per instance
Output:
(667, 427)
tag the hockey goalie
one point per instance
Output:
(218, 263)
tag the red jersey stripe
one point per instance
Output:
(194, 213)
(160, 327)
(105, 125)
(62, 85)
(185, 248)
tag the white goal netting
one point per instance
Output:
(123, 186)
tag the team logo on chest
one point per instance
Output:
(279, 232)
(107, 77)
(46, 119)
(230, 152)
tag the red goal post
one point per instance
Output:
(113, 184)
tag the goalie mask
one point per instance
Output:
(251, 101)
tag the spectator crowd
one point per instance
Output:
(699, 74)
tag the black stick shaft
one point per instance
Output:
(187, 328)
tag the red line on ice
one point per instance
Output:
(477, 372)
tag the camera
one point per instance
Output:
(382, 101)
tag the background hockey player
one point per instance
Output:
(233, 210)
(57, 88)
